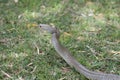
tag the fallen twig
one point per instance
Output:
(6, 74)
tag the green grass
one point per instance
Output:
(90, 29)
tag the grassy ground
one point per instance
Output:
(90, 29)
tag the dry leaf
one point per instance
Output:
(89, 3)
(80, 38)
(53, 73)
(63, 78)
(67, 34)
(16, 1)
(114, 52)
(65, 69)
(20, 78)
(34, 25)
(29, 25)
(99, 16)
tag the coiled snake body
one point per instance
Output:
(66, 55)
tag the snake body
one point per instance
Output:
(66, 55)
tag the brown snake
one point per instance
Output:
(66, 55)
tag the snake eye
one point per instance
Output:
(40, 25)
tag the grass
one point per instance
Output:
(89, 29)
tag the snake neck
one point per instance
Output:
(66, 55)
(56, 34)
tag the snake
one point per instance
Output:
(71, 61)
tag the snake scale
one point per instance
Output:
(66, 55)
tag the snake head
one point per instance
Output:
(49, 28)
